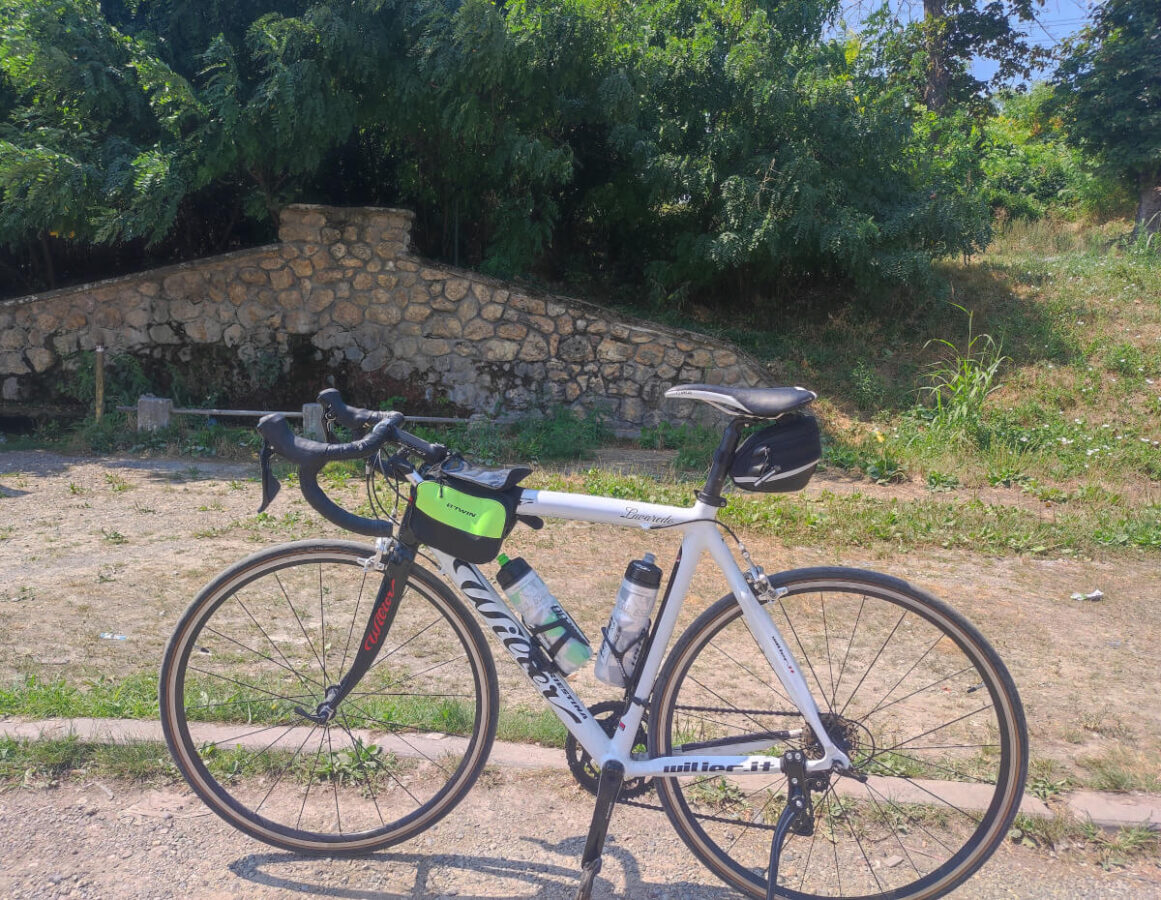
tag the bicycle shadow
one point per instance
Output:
(547, 879)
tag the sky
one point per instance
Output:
(1056, 20)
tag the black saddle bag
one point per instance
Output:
(780, 458)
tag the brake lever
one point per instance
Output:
(270, 484)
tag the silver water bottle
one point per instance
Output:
(629, 623)
(544, 616)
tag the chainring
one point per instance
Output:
(581, 764)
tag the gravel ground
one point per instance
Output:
(518, 835)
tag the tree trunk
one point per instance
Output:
(1149, 203)
(934, 22)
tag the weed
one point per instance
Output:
(963, 379)
(940, 482)
(356, 765)
(1008, 478)
(1121, 770)
(869, 388)
(1046, 788)
(117, 484)
(694, 444)
(1044, 831)
(1121, 847)
(114, 537)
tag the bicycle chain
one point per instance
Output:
(580, 763)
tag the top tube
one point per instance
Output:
(612, 511)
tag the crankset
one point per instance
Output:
(586, 771)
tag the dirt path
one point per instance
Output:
(517, 835)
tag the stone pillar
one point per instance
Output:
(312, 422)
(153, 412)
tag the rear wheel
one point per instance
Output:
(906, 687)
(262, 643)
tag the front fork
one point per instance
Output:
(395, 561)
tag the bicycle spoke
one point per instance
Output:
(298, 619)
(878, 655)
(308, 786)
(398, 735)
(322, 617)
(285, 768)
(243, 684)
(804, 654)
(238, 598)
(354, 619)
(890, 679)
(847, 653)
(370, 782)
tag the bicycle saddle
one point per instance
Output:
(761, 403)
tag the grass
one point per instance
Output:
(45, 763)
(1121, 770)
(135, 697)
(933, 520)
(1061, 832)
(1041, 357)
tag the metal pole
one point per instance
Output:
(100, 381)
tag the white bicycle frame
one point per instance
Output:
(700, 535)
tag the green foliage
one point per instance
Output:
(560, 434)
(1030, 169)
(930, 58)
(93, 147)
(962, 381)
(684, 146)
(1110, 97)
(694, 444)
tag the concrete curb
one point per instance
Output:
(1106, 810)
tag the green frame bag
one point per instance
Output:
(459, 518)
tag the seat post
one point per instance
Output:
(711, 494)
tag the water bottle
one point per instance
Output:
(545, 618)
(629, 623)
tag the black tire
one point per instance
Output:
(900, 679)
(406, 744)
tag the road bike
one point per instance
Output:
(822, 732)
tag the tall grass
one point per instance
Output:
(963, 379)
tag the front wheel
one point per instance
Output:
(907, 688)
(260, 646)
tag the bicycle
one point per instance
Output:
(336, 698)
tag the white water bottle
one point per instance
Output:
(629, 623)
(544, 616)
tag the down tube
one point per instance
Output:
(514, 637)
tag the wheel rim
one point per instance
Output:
(906, 688)
(404, 745)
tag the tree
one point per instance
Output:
(91, 146)
(934, 54)
(1108, 89)
(692, 146)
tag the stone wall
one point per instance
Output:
(342, 296)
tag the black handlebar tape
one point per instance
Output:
(311, 456)
(431, 453)
(357, 419)
(305, 452)
(352, 417)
